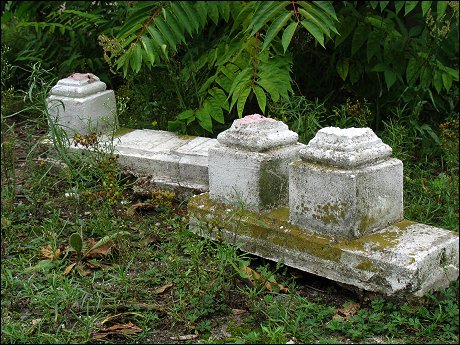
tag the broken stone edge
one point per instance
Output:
(371, 263)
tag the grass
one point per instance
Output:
(140, 276)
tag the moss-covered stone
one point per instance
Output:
(122, 131)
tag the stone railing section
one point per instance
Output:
(346, 184)
(81, 104)
(249, 166)
(333, 207)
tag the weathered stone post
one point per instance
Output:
(249, 165)
(345, 184)
(81, 104)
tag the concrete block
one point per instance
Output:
(403, 260)
(249, 165)
(345, 185)
(168, 158)
(81, 104)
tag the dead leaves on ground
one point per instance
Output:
(84, 262)
(256, 279)
(116, 325)
(349, 309)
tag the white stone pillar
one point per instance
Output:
(81, 104)
(345, 184)
(249, 165)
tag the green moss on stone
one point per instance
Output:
(366, 265)
(331, 213)
(273, 185)
(366, 223)
(122, 131)
(186, 136)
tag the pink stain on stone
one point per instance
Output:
(82, 76)
(252, 118)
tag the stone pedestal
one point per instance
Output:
(81, 104)
(345, 184)
(249, 165)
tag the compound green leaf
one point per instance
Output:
(314, 30)
(148, 47)
(409, 6)
(259, 21)
(186, 114)
(437, 81)
(373, 44)
(374, 4)
(412, 71)
(322, 17)
(441, 7)
(310, 17)
(426, 6)
(261, 97)
(342, 67)
(219, 96)
(213, 11)
(355, 71)
(191, 13)
(182, 17)
(390, 78)
(202, 9)
(425, 77)
(327, 7)
(275, 27)
(136, 58)
(447, 81)
(383, 4)
(216, 112)
(175, 27)
(399, 5)
(204, 117)
(287, 35)
(359, 37)
(346, 28)
(242, 100)
(271, 88)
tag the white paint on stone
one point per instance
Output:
(81, 104)
(249, 165)
(345, 148)
(257, 133)
(345, 184)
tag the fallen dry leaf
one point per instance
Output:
(185, 337)
(69, 268)
(347, 311)
(142, 206)
(102, 250)
(123, 329)
(47, 252)
(163, 289)
(82, 271)
(119, 316)
(255, 278)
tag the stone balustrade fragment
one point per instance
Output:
(81, 104)
(249, 165)
(345, 184)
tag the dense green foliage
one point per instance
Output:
(225, 59)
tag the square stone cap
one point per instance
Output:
(78, 85)
(345, 148)
(257, 133)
